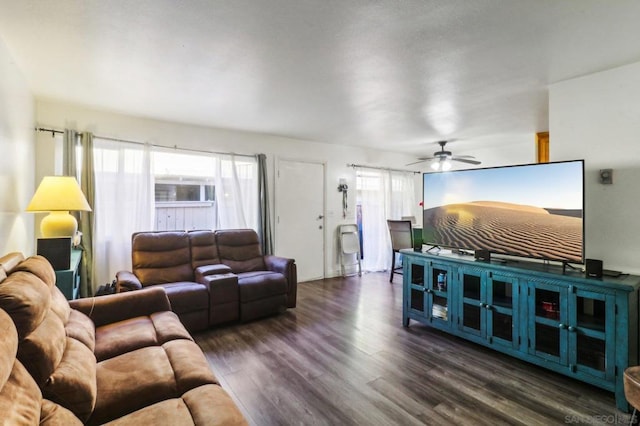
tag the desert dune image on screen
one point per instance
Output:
(531, 211)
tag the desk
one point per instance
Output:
(68, 280)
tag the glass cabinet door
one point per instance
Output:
(417, 300)
(437, 291)
(501, 307)
(594, 321)
(472, 303)
(548, 321)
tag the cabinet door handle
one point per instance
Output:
(487, 306)
(562, 326)
(571, 328)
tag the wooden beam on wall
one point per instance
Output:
(542, 147)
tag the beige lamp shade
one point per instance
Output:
(58, 195)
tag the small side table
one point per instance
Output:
(68, 280)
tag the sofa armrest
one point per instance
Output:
(224, 298)
(286, 267)
(205, 270)
(278, 264)
(127, 281)
(118, 307)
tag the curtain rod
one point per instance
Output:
(382, 168)
(60, 132)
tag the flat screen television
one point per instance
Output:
(530, 210)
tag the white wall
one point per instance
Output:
(17, 164)
(102, 123)
(597, 117)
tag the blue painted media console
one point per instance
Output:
(582, 327)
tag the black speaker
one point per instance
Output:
(593, 268)
(482, 255)
(57, 251)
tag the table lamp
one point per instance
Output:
(58, 195)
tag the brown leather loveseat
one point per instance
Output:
(122, 359)
(211, 277)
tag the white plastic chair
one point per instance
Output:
(349, 247)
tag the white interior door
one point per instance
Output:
(300, 216)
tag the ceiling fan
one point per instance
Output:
(441, 160)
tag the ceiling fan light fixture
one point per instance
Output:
(441, 164)
(443, 160)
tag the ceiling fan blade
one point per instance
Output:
(464, 160)
(417, 162)
(464, 156)
(420, 160)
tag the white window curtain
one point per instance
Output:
(236, 180)
(383, 195)
(124, 203)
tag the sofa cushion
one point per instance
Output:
(26, 298)
(8, 347)
(81, 328)
(240, 250)
(204, 405)
(168, 327)
(73, 383)
(135, 333)
(52, 414)
(20, 398)
(189, 365)
(212, 405)
(19, 395)
(9, 261)
(161, 257)
(60, 304)
(60, 365)
(187, 296)
(145, 376)
(260, 285)
(204, 250)
(42, 350)
(41, 268)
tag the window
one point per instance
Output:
(183, 192)
(204, 191)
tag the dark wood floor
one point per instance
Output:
(342, 357)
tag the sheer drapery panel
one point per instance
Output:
(124, 203)
(382, 195)
(236, 181)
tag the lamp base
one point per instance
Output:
(58, 224)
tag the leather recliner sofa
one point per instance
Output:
(211, 277)
(121, 359)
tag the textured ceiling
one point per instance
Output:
(392, 74)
